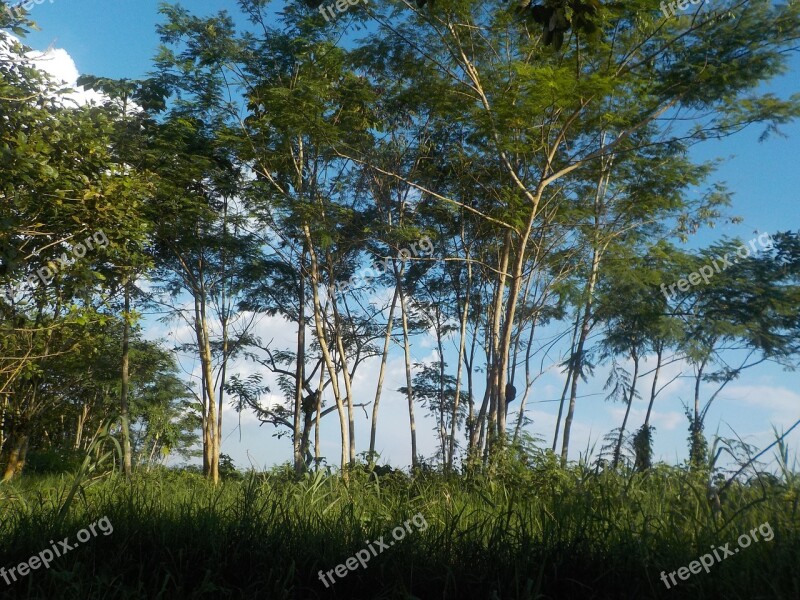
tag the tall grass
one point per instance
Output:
(527, 531)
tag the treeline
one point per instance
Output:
(259, 169)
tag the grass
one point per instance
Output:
(534, 531)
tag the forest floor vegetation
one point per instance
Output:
(527, 530)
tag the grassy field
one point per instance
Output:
(529, 531)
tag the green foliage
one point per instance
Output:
(698, 445)
(643, 448)
(53, 461)
(227, 468)
(534, 530)
(257, 150)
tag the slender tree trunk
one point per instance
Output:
(124, 412)
(410, 390)
(496, 369)
(643, 442)
(309, 407)
(317, 449)
(631, 395)
(567, 381)
(577, 361)
(461, 349)
(224, 319)
(213, 434)
(697, 381)
(528, 383)
(299, 463)
(323, 343)
(484, 444)
(481, 433)
(654, 387)
(223, 373)
(82, 417)
(697, 446)
(348, 387)
(440, 349)
(207, 441)
(204, 423)
(508, 331)
(151, 458)
(472, 425)
(211, 450)
(3, 412)
(382, 374)
(337, 333)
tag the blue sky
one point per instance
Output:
(117, 39)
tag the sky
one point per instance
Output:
(118, 39)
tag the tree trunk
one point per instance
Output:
(82, 416)
(224, 318)
(299, 463)
(381, 375)
(151, 458)
(323, 343)
(471, 419)
(124, 413)
(318, 417)
(348, 387)
(567, 381)
(643, 442)
(204, 347)
(697, 447)
(496, 370)
(222, 378)
(309, 406)
(462, 344)
(653, 389)
(528, 383)
(16, 456)
(577, 358)
(440, 348)
(632, 392)
(3, 412)
(479, 433)
(203, 395)
(409, 387)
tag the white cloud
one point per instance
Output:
(780, 403)
(61, 67)
(57, 63)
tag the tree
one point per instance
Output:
(54, 253)
(552, 125)
(747, 310)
